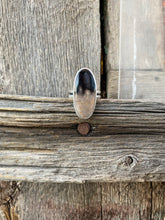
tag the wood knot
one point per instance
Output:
(128, 160)
(83, 128)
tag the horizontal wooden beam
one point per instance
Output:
(39, 141)
(111, 116)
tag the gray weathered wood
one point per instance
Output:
(112, 32)
(128, 201)
(158, 201)
(134, 27)
(44, 131)
(134, 49)
(44, 43)
(46, 155)
(100, 202)
(59, 201)
(49, 200)
(137, 51)
(88, 201)
(149, 85)
(111, 116)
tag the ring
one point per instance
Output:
(84, 93)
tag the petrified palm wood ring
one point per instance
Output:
(84, 93)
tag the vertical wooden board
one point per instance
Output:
(134, 30)
(112, 32)
(134, 43)
(158, 201)
(139, 61)
(44, 43)
(112, 84)
(149, 85)
(141, 35)
(59, 201)
(126, 201)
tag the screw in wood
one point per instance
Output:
(83, 128)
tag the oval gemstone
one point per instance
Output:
(84, 93)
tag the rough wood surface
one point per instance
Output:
(41, 54)
(44, 43)
(134, 49)
(137, 49)
(86, 201)
(127, 201)
(149, 85)
(158, 201)
(111, 116)
(59, 201)
(44, 131)
(51, 156)
(134, 27)
(112, 32)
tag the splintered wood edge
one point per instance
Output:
(40, 142)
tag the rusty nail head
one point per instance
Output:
(83, 128)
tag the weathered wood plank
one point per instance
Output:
(149, 85)
(111, 116)
(158, 201)
(128, 201)
(59, 155)
(44, 43)
(134, 49)
(59, 201)
(112, 33)
(88, 201)
(134, 34)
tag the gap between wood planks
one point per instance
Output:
(103, 49)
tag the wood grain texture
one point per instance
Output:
(134, 27)
(127, 201)
(111, 116)
(134, 49)
(35, 128)
(137, 49)
(100, 202)
(112, 32)
(54, 157)
(149, 85)
(158, 201)
(44, 43)
(8, 196)
(41, 50)
(126, 141)
(59, 201)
